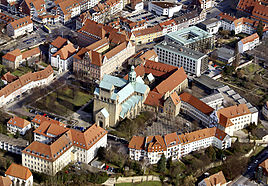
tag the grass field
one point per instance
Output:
(146, 183)
(21, 71)
(63, 101)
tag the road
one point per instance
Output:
(245, 179)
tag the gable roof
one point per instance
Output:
(12, 55)
(18, 171)
(59, 42)
(171, 139)
(19, 122)
(137, 142)
(215, 179)
(48, 128)
(39, 119)
(30, 53)
(155, 143)
(250, 38)
(9, 77)
(154, 99)
(146, 31)
(195, 102)
(264, 165)
(5, 181)
(66, 51)
(175, 98)
(18, 23)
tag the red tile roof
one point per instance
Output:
(196, 103)
(18, 171)
(9, 77)
(19, 23)
(264, 165)
(175, 98)
(137, 142)
(30, 53)
(19, 122)
(59, 42)
(155, 143)
(5, 181)
(226, 16)
(11, 56)
(66, 51)
(215, 179)
(154, 99)
(250, 38)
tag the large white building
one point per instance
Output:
(11, 144)
(175, 146)
(19, 175)
(18, 124)
(248, 43)
(164, 8)
(71, 146)
(20, 27)
(234, 118)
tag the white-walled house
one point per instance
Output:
(164, 8)
(20, 27)
(248, 43)
(19, 175)
(18, 124)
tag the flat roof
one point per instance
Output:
(208, 82)
(13, 141)
(209, 21)
(189, 35)
(164, 4)
(187, 52)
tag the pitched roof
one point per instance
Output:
(18, 23)
(155, 143)
(18, 171)
(59, 42)
(196, 103)
(264, 165)
(137, 142)
(167, 23)
(154, 99)
(171, 82)
(171, 139)
(215, 179)
(116, 50)
(39, 119)
(48, 128)
(250, 38)
(146, 31)
(12, 55)
(175, 98)
(227, 17)
(9, 77)
(5, 181)
(148, 55)
(19, 122)
(66, 51)
(30, 53)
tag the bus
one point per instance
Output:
(46, 29)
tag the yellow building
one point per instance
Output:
(146, 35)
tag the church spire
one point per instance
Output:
(132, 75)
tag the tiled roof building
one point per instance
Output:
(248, 43)
(216, 179)
(20, 27)
(18, 124)
(19, 175)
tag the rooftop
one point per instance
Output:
(18, 171)
(208, 82)
(215, 179)
(164, 4)
(13, 141)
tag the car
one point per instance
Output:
(31, 110)
(256, 161)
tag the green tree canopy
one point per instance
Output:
(260, 29)
(161, 164)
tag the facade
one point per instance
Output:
(224, 54)
(175, 146)
(146, 35)
(120, 98)
(18, 124)
(198, 110)
(20, 27)
(205, 4)
(265, 110)
(168, 26)
(192, 61)
(25, 83)
(164, 8)
(19, 175)
(33, 8)
(235, 118)
(172, 105)
(71, 146)
(248, 43)
(214, 100)
(12, 145)
(193, 38)
(210, 25)
(217, 179)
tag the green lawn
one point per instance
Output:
(43, 64)
(146, 183)
(21, 71)
(64, 100)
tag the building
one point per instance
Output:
(234, 118)
(193, 38)
(71, 146)
(255, 9)
(262, 172)
(175, 146)
(66, 10)
(168, 26)
(198, 110)
(20, 27)
(5, 181)
(25, 83)
(248, 43)
(136, 5)
(210, 25)
(15, 58)
(8, 78)
(205, 4)
(131, 26)
(11, 144)
(102, 57)
(19, 175)
(163, 8)
(224, 54)
(146, 35)
(18, 124)
(172, 105)
(33, 8)
(214, 100)
(117, 99)
(192, 61)
(217, 179)
(39, 119)
(265, 110)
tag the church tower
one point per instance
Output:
(132, 75)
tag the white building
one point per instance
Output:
(210, 25)
(216, 179)
(11, 144)
(18, 124)
(205, 4)
(168, 26)
(214, 100)
(248, 43)
(235, 118)
(20, 27)
(164, 8)
(172, 145)
(19, 175)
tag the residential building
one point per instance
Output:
(168, 26)
(71, 146)
(5, 181)
(19, 175)
(11, 144)
(205, 4)
(198, 110)
(117, 99)
(175, 146)
(210, 25)
(214, 100)
(25, 83)
(234, 118)
(223, 54)
(192, 61)
(5, 19)
(33, 8)
(8, 78)
(18, 124)
(262, 172)
(131, 26)
(256, 9)
(192, 37)
(136, 5)
(39, 119)
(163, 8)
(216, 179)
(66, 10)
(248, 43)
(265, 110)
(142, 56)
(15, 58)
(20, 27)
(102, 57)
(146, 35)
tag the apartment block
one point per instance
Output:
(20, 27)
(19, 175)
(18, 124)
(164, 8)
(248, 43)
(11, 144)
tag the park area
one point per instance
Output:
(64, 100)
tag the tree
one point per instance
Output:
(210, 151)
(169, 162)
(161, 164)
(236, 61)
(1, 83)
(190, 180)
(17, 135)
(102, 153)
(260, 29)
